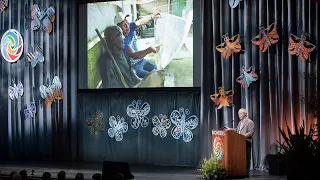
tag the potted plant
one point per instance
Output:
(213, 169)
(301, 152)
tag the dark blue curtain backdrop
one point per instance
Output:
(47, 136)
(139, 146)
(275, 98)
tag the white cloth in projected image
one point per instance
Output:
(171, 31)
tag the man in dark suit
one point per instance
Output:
(246, 128)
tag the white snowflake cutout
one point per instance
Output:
(138, 114)
(183, 125)
(118, 127)
(161, 123)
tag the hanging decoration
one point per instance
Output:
(30, 111)
(300, 47)
(117, 127)
(15, 90)
(41, 18)
(183, 125)
(229, 46)
(35, 57)
(234, 3)
(138, 114)
(247, 76)
(223, 98)
(52, 92)
(95, 123)
(3, 5)
(161, 124)
(266, 37)
(11, 45)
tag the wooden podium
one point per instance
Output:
(230, 147)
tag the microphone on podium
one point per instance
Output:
(225, 126)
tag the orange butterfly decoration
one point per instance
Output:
(223, 98)
(266, 37)
(229, 46)
(300, 47)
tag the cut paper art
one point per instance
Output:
(161, 124)
(247, 76)
(52, 92)
(11, 45)
(3, 5)
(41, 18)
(117, 127)
(229, 46)
(95, 123)
(35, 57)
(300, 47)
(234, 3)
(30, 111)
(217, 148)
(223, 98)
(266, 37)
(15, 90)
(183, 124)
(138, 114)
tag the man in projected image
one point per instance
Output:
(110, 76)
(140, 65)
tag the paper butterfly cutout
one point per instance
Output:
(183, 125)
(223, 98)
(15, 91)
(96, 123)
(300, 47)
(161, 123)
(42, 18)
(247, 76)
(229, 46)
(3, 5)
(35, 57)
(138, 114)
(28, 113)
(52, 92)
(266, 37)
(117, 127)
(234, 3)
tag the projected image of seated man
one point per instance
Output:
(115, 69)
(140, 65)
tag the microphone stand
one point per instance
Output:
(225, 125)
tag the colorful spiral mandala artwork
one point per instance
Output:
(217, 148)
(11, 45)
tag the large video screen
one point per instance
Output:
(137, 44)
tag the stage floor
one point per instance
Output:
(140, 172)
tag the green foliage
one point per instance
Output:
(300, 151)
(213, 169)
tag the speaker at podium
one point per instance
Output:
(110, 169)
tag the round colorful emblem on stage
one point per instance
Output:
(11, 45)
(217, 148)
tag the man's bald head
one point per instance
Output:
(111, 31)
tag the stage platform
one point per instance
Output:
(140, 172)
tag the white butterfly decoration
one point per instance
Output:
(52, 92)
(161, 123)
(117, 127)
(138, 114)
(183, 125)
(28, 113)
(15, 91)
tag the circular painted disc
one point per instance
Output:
(11, 45)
